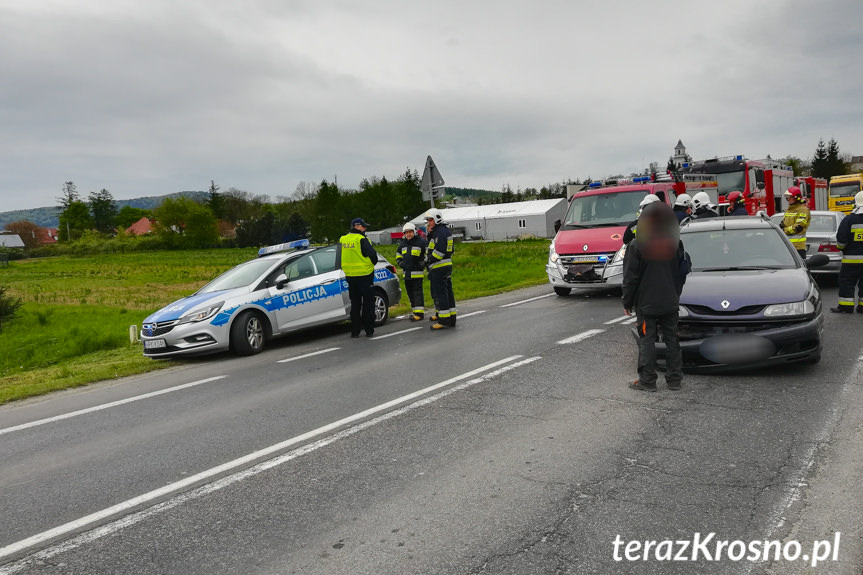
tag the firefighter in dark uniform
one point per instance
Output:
(850, 240)
(736, 204)
(410, 256)
(357, 258)
(439, 264)
(701, 207)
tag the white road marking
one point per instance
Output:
(633, 319)
(459, 316)
(395, 333)
(531, 299)
(580, 336)
(308, 355)
(107, 405)
(407, 402)
(617, 319)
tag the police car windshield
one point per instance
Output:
(240, 276)
(735, 249)
(605, 209)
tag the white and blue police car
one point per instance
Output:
(286, 288)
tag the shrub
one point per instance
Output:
(8, 306)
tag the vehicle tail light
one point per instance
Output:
(828, 247)
(392, 268)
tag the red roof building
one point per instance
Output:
(140, 228)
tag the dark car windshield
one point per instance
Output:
(721, 250)
(240, 276)
(607, 209)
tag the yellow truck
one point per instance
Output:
(842, 191)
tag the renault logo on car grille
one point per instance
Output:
(725, 304)
(584, 248)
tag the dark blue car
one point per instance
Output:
(750, 300)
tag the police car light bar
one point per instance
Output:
(295, 245)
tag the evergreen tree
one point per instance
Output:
(819, 161)
(215, 201)
(103, 209)
(74, 220)
(835, 165)
(328, 224)
(68, 195)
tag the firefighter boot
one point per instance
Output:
(416, 317)
(433, 317)
(438, 326)
(842, 309)
(859, 308)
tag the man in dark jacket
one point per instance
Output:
(410, 256)
(850, 240)
(357, 258)
(652, 281)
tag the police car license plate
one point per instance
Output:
(584, 259)
(154, 343)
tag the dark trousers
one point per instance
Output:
(440, 285)
(362, 296)
(850, 280)
(414, 289)
(648, 327)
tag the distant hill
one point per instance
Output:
(49, 217)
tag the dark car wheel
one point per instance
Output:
(562, 291)
(248, 334)
(382, 308)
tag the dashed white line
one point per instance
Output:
(314, 353)
(107, 405)
(407, 402)
(633, 319)
(580, 336)
(617, 319)
(527, 300)
(459, 316)
(396, 333)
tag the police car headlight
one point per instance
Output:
(202, 314)
(805, 307)
(618, 257)
(552, 255)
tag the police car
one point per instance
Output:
(286, 288)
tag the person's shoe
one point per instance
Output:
(437, 326)
(416, 317)
(355, 335)
(370, 333)
(637, 385)
(433, 317)
(842, 309)
(674, 386)
(859, 308)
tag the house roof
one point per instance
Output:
(494, 211)
(141, 227)
(11, 241)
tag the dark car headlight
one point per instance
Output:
(202, 314)
(805, 307)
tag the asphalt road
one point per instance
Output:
(509, 445)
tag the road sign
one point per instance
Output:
(432, 183)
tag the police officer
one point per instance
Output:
(736, 204)
(439, 263)
(357, 258)
(630, 232)
(410, 256)
(850, 240)
(796, 220)
(701, 207)
(682, 207)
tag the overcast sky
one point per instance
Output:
(157, 96)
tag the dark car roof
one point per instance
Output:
(728, 223)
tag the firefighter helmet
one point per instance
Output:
(793, 194)
(700, 199)
(434, 214)
(648, 199)
(858, 199)
(684, 200)
(736, 198)
(409, 227)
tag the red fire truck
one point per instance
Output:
(588, 250)
(815, 192)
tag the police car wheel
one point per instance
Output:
(248, 334)
(382, 308)
(562, 291)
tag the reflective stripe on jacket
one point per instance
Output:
(354, 263)
(440, 247)
(410, 256)
(849, 238)
(795, 224)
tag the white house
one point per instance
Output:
(498, 222)
(11, 241)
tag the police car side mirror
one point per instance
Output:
(817, 261)
(281, 281)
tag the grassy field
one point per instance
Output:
(73, 328)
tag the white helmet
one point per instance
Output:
(409, 227)
(700, 199)
(648, 199)
(434, 214)
(683, 200)
(858, 199)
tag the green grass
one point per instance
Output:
(73, 328)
